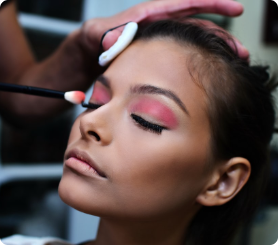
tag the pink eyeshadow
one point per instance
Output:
(100, 94)
(157, 110)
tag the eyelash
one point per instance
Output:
(91, 105)
(154, 128)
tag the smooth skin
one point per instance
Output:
(74, 64)
(151, 184)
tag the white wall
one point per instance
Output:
(104, 8)
(249, 29)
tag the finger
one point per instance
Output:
(242, 52)
(110, 39)
(112, 36)
(233, 42)
(121, 44)
(94, 30)
(159, 9)
(223, 7)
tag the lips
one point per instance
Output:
(84, 157)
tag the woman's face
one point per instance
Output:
(144, 152)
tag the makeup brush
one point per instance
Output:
(75, 97)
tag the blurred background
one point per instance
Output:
(31, 160)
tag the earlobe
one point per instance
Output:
(225, 182)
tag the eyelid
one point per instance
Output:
(146, 125)
(101, 94)
(155, 110)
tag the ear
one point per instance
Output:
(226, 181)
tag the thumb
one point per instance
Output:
(110, 39)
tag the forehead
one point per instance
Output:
(162, 63)
(156, 61)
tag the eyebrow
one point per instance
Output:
(148, 89)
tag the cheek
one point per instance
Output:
(84, 194)
(156, 176)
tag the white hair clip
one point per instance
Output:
(123, 41)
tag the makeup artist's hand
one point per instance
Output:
(156, 10)
(74, 65)
(69, 68)
(232, 41)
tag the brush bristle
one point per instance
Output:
(75, 97)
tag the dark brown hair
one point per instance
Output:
(242, 117)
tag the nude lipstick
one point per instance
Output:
(75, 157)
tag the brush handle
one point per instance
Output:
(31, 90)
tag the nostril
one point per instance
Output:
(95, 135)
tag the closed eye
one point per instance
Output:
(154, 128)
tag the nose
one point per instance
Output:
(95, 125)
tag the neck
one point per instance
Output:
(166, 231)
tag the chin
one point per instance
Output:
(80, 196)
(68, 193)
(65, 193)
